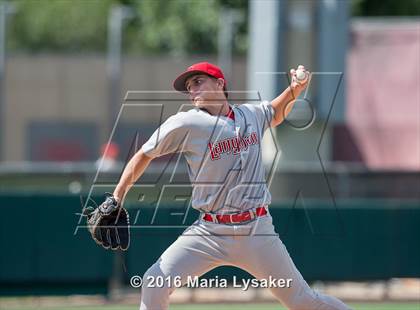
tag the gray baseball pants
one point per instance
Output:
(254, 247)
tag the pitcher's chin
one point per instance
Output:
(199, 102)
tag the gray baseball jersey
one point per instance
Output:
(226, 171)
(223, 155)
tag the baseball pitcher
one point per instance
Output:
(222, 146)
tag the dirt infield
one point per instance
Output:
(261, 306)
(401, 294)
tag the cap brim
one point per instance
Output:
(179, 83)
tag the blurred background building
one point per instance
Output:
(57, 76)
(66, 67)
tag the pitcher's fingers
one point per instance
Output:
(301, 67)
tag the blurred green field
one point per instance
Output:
(265, 306)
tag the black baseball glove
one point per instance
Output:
(109, 224)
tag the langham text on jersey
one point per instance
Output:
(232, 145)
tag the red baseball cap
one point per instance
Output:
(198, 68)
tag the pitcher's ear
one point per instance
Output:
(221, 82)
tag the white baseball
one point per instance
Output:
(300, 74)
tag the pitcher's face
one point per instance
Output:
(204, 90)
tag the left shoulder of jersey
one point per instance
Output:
(253, 107)
(245, 107)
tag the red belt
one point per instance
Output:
(235, 217)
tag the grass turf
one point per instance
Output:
(360, 306)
